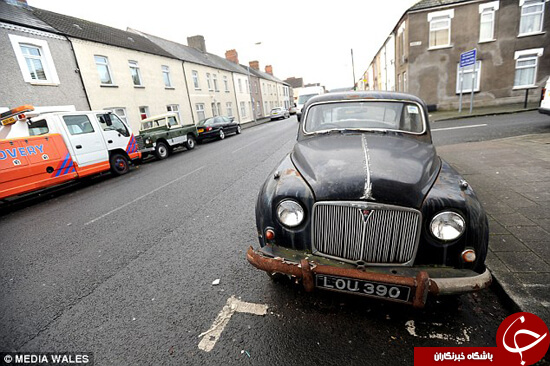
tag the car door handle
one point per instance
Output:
(110, 141)
(78, 146)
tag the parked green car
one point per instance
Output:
(161, 134)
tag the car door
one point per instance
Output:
(86, 141)
(228, 125)
(116, 133)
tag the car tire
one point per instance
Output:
(238, 129)
(221, 135)
(161, 151)
(190, 143)
(119, 164)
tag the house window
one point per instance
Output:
(214, 109)
(532, 15)
(440, 28)
(526, 68)
(243, 109)
(487, 21)
(166, 76)
(199, 107)
(196, 79)
(215, 81)
(265, 107)
(175, 108)
(258, 109)
(219, 106)
(120, 112)
(226, 84)
(240, 86)
(229, 108)
(134, 71)
(35, 60)
(468, 78)
(209, 81)
(405, 85)
(143, 112)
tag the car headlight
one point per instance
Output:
(290, 213)
(147, 141)
(447, 226)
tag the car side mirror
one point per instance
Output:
(108, 120)
(232, 119)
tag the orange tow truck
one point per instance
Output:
(40, 150)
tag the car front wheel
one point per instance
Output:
(238, 129)
(161, 151)
(119, 164)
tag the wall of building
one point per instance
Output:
(433, 73)
(15, 91)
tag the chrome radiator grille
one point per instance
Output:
(378, 234)
(140, 143)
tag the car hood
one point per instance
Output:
(383, 168)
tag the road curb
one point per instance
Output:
(480, 114)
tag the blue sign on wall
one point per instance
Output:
(468, 58)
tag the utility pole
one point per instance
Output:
(353, 69)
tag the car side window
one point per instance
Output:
(38, 127)
(115, 123)
(172, 121)
(78, 125)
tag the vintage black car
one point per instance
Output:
(364, 205)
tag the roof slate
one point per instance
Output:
(190, 54)
(95, 32)
(426, 4)
(22, 16)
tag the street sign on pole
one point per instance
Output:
(467, 58)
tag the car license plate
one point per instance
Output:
(361, 287)
(200, 130)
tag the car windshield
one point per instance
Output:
(152, 124)
(302, 99)
(276, 110)
(365, 115)
(206, 122)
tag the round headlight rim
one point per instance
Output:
(290, 200)
(446, 241)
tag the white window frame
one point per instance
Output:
(438, 16)
(144, 110)
(174, 108)
(468, 71)
(166, 76)
(532, 54)
(229, 108)
(108, 67)
(484, 9)
(243, 109)
(120, 112)
(226, 83)
(209, 81)
(526, 4)
(133, 65)
(46, 58)
(240, 82)
(199, 108)
(215, 82)
(196, 82)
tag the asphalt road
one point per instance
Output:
(123, 267)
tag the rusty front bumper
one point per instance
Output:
(421, 284)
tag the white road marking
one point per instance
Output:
(457, 128)
(211, 336)
(247, 145)
(458, 339)
(143, 196)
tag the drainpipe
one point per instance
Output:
(80, 75)
(188, 94)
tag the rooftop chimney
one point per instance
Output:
(255, 65)
(197, 42)
(269, 69)
(232, 56)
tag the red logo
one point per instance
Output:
(525, 336)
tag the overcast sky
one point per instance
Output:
(299, 38)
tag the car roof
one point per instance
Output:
(350, 96)
(158, 116)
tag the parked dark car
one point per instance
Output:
(217, 127)
(364, 205)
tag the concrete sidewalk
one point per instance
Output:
(481, 111)
(512, 179)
